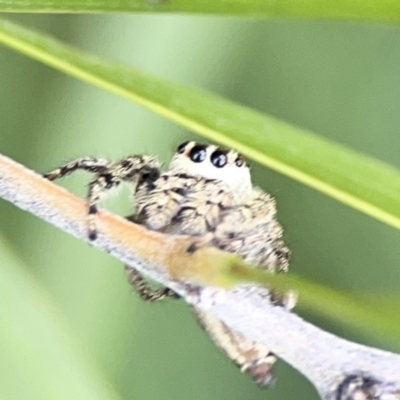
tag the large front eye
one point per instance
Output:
(198, 154)
(181, 148)
(219, 158)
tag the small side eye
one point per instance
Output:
(181, 148)
(198, 154)
(219, 159)
(239, 162)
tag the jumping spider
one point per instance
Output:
(206, 193)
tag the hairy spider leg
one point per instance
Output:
(143, 288)
(108, 176)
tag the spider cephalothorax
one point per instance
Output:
(212, 162)
(206, 193)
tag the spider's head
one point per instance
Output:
(213, 162)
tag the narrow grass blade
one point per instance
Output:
(378, 318)
(367, 10)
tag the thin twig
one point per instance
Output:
(339, 369)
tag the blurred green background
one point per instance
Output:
(338, 79)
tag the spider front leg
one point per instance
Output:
(175, 204)
(108, 176)
(90, 164)
(251, 230)
(180, 204)
(232, 224)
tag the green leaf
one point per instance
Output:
(361, 182)
(367, 10)
(40, 358)
(379, 317)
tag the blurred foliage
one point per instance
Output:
(339, 80)
(64, 372)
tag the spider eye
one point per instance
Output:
(181, 148)
(198, 154)
(239, 162)
(219, 158)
